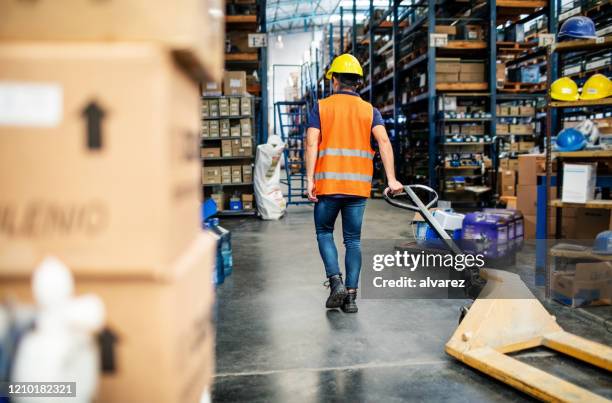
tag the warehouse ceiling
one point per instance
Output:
(300, 15)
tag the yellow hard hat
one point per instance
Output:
(564, 89)
(345, 63)
(597, 86)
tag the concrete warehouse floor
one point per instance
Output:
(277, 343)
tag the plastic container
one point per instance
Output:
(518, 223)
(485, 227)
(224, 246)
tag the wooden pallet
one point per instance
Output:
(518, 88)
(507, 318)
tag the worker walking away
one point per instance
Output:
(339, 173)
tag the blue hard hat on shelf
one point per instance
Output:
(570, 140)
(603, 243)
(577, 27)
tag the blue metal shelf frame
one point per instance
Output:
(291, 116)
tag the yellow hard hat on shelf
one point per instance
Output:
(347, 64)
(597, 86)
(564, 89)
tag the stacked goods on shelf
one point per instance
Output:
(516, 128)
(228, 145)
(229, 132)
(107, 180)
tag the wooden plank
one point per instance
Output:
(520, 3)
(577, 104)
(459, 44)
(582, 349)
(586, 44)
(461, 86)
(597, 204)
(241, 57)
(526, 378)
(577, 254)
(584, 154)
(241, 19)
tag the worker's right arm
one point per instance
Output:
(312, 148)
(386, 154)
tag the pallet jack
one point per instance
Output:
(505, 317)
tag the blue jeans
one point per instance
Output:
(325, 214)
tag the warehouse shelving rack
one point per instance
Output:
(554, 113)
(291, 117)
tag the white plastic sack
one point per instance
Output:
(268, 193)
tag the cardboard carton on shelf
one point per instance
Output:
(578, 182)
(447, 77)
(466, 77)
(521, 129)
(116, 179)
(224, 128)
(447, 65)
(590, 284)
(507, 181)
(192, 33)
(502, 128)
(234, 83)
(245, 106)
(247, 201)
(529, 167)
(205, 112)
(235, 129)
(214, 128)
(167, 311)
(213, 108)
(211, 175)
(212, 88)
(224, 107)
(245, 127)
(446, 29)
(234, 106)
(219, 199)
(205, 129)
(210, 152)
(226, 148)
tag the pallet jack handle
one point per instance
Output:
(423, 209)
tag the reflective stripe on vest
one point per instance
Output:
(346, 152)
(343, 176)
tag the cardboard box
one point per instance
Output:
(246, 142)
(214, 128)
(245, 127)
(210, 152)
(205, 113)
(212, 88)
(235, 129)
(234, 83)
(590, 284)
(502, 128)
(500, 73)
(224, 107)
(213, 108)
(247, 201)
(592, 222)
(530, 222)
(507, 181)
(226, 148)
(472, 32)
(525, 145)
(236, 174)
(446, 29)
(579, 182)
(472, 67)
(514, 110)
(234, 106)
(471, 77)
(219, 199)
(527, 110)
(211, 175)
(205, 127)
(245, 106)
(224, 128)
(247, 173)
(238, 41)
(447, 65)
(121, 199)
(531, 165)
(168, 311)
(186, 27)
(521, 129)
(447, 77)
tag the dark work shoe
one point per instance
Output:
(337, 292)
(349, 305)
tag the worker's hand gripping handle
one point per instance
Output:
(411, 203)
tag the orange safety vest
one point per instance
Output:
(344, 163)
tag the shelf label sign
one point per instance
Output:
(546, 40)
(258, 40)
(569, 13)
(438, 40)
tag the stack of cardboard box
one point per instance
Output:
(98, 149)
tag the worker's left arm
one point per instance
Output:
(386, 154)
(312, 148)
